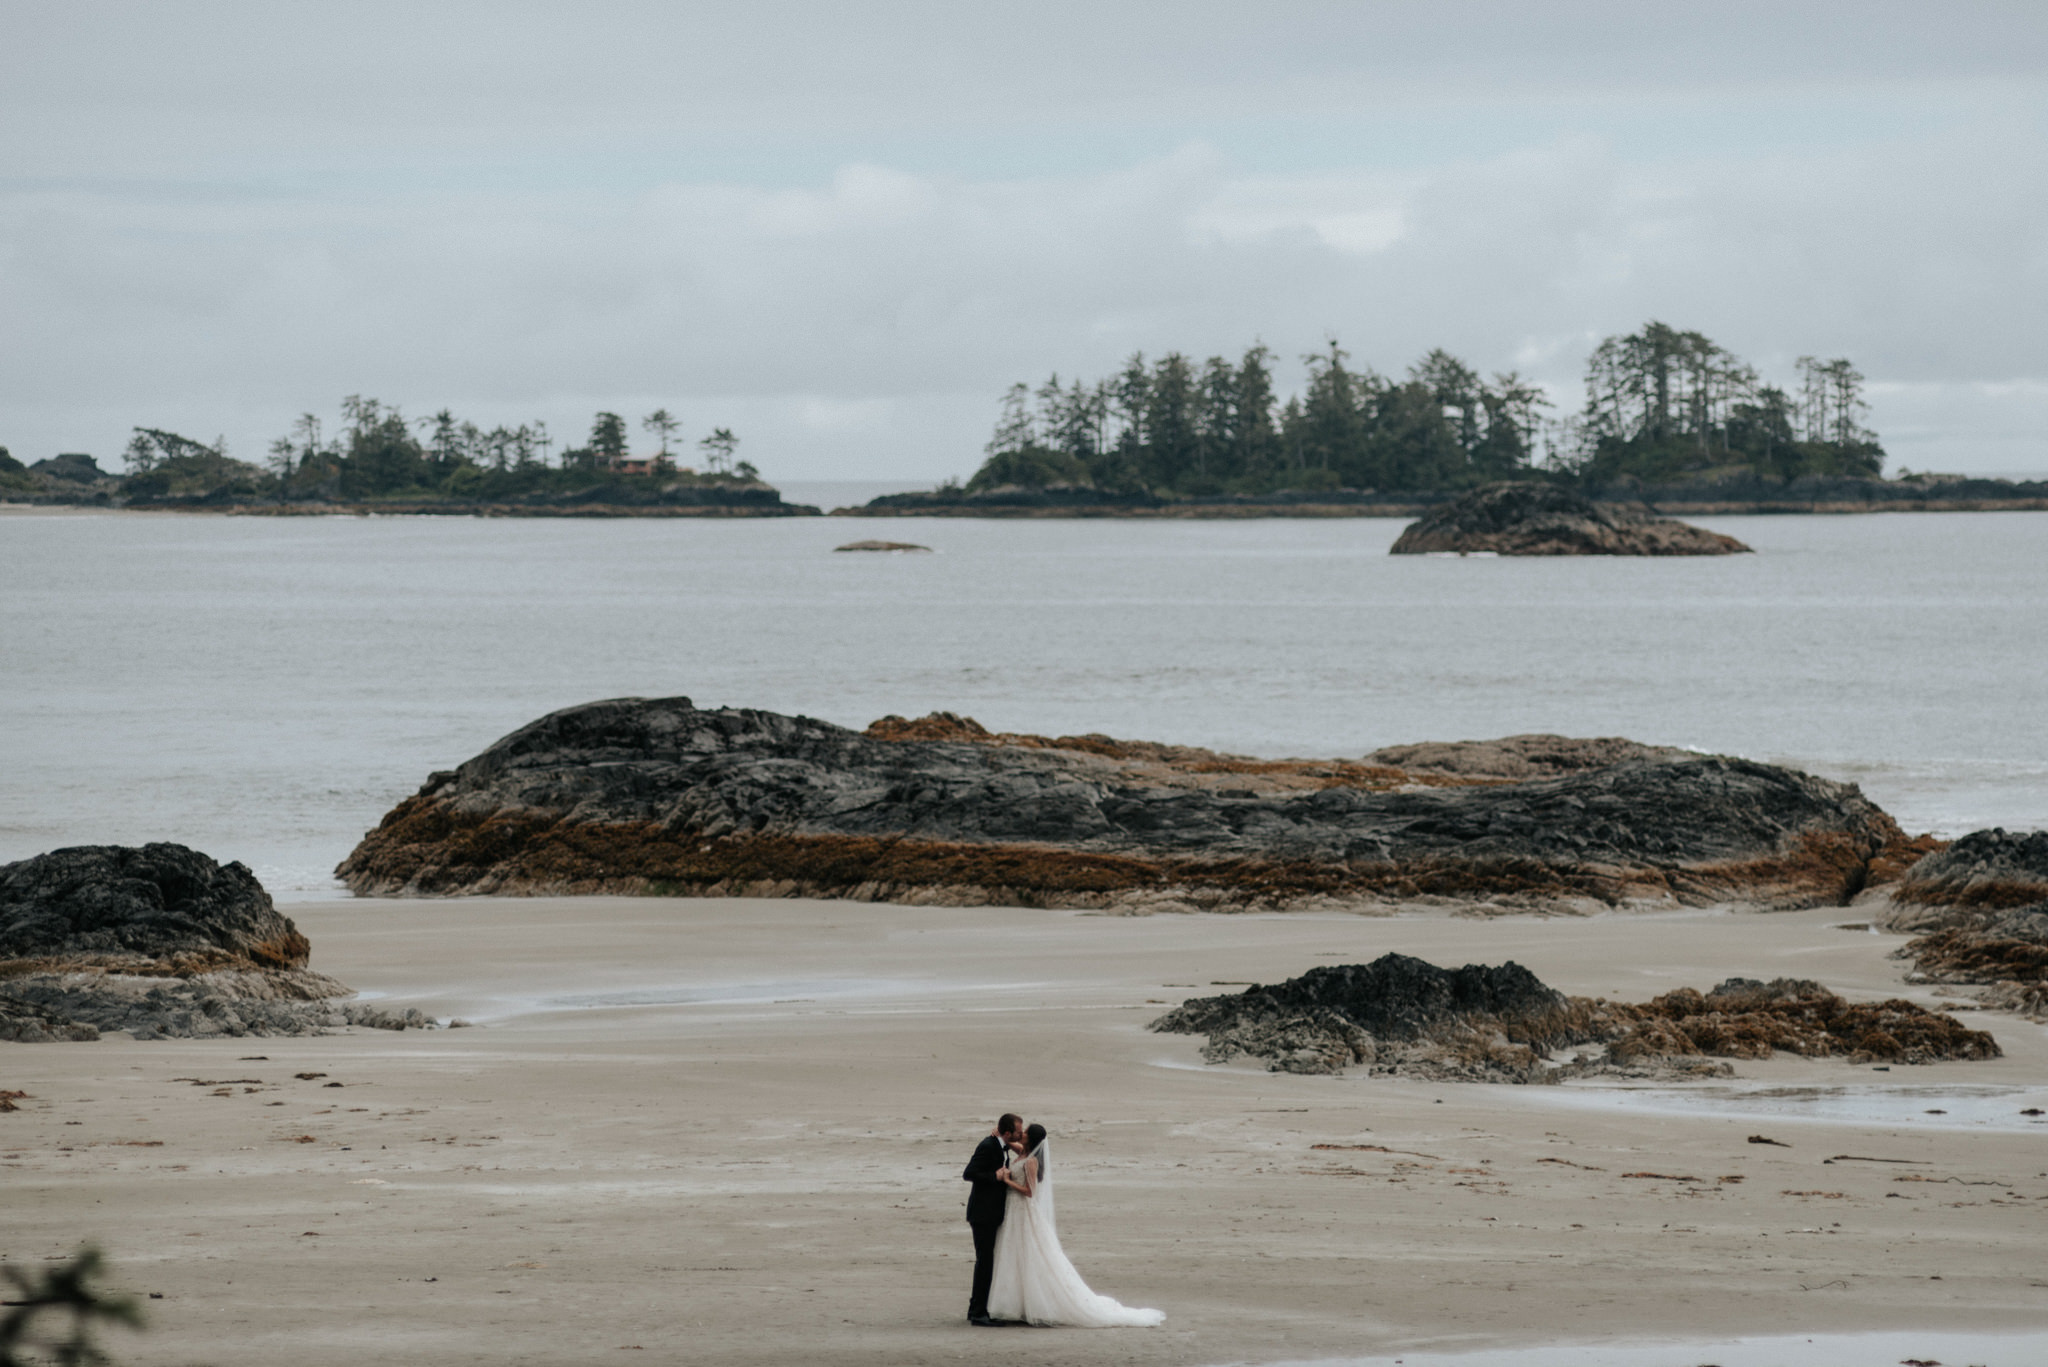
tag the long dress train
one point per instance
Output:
(1035, 1282)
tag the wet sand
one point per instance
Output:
(731, 1131)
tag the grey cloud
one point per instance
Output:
(862, 320)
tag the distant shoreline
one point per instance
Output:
(487, 510)
(1230, 512)
(1201, 512)
(1736, 498)
(1695, 498)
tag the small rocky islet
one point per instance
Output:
(637, 795)
(163, 942)
(1529, 517)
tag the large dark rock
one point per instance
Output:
(160, 902)
(162, 942)
(1532, 518)
(1501, 1024)
(1395, 997)
(657, 795)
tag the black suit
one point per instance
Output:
(985, 1201)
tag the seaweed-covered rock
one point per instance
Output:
(2009, 945)
(1991, 869)
(1501, 1024)
(161, 902)
(658, 795)
(1981, 907)
(1746, 1018)
(1533, 518)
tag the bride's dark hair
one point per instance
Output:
(1033, 1137)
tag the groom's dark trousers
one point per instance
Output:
(985, 1200)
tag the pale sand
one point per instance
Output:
(777, 1181)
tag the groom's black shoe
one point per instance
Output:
(982, 1321)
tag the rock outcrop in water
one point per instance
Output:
(1533, 518)
(1399, 1015)
(656, 795)
(159, 941)
(1982, 907)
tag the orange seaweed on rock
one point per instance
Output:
(1744, 1018)
(1981, 905)
(1991, 870)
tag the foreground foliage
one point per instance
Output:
(58, 1311)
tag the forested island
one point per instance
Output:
(1670, 419)
(376, 460)
(1668, 414)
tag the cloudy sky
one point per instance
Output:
(843, 229)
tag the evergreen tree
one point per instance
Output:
(661, 425)
(1332, 433)
(1661, 404)
(607, 440)
(1257, 444)
(718, 450)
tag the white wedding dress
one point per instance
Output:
(1034, 1281)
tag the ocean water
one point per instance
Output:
(265, 689)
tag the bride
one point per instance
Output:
(1034, 1282)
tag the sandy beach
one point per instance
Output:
(731, 1131)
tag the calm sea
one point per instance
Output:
(265, 689)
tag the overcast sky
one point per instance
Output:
(843, 229)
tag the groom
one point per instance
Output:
(985, 1200)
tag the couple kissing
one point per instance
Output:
(1021, 1274)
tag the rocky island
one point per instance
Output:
(1531, 518)
(637, 795)
(161, 941)
(1400, 1015)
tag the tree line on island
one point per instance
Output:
(375, 452)
(1661, 405)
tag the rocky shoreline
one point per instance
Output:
(77, 481)
(658, 796)
(1403, 1017)
(451, 508)
(162, 942)
(1749, 494)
